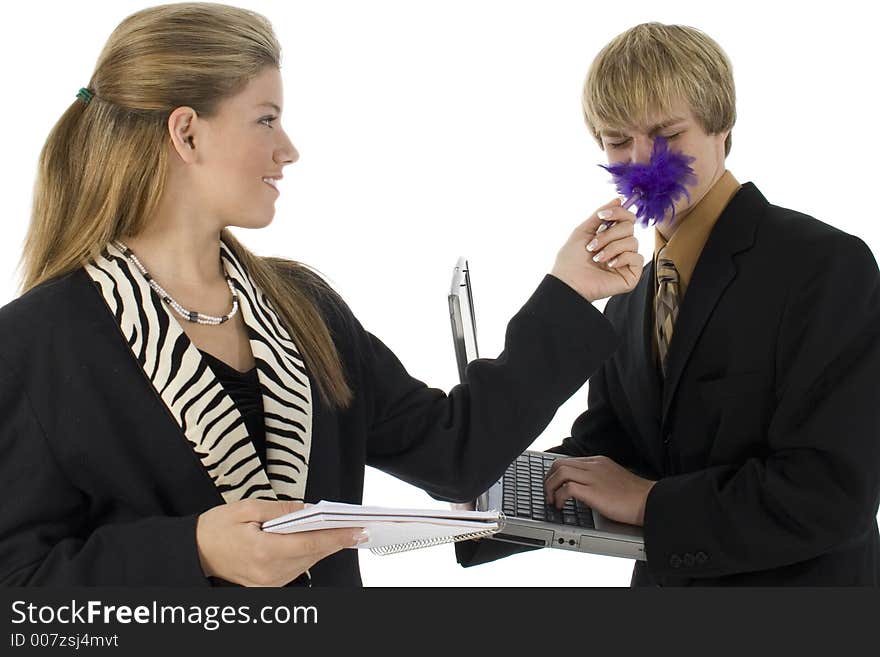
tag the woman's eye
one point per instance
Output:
(268, 120)
(668, 137)
(618, 144)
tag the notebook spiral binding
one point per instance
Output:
(440, 540)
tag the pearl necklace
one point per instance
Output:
(188, 315)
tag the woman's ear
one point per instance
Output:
(181, 127)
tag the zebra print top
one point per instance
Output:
(193, 395)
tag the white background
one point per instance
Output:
(429, 130)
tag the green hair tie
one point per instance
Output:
(85, 94)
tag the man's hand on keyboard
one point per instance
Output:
(600, 483)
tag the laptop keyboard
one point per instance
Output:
(523, 494)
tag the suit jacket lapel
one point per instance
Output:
(637, 362)
(206, 415)
(733, 232)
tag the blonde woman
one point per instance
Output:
(163, 390)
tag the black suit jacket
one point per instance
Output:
(102, 488)
(765, 437)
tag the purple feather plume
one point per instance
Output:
(654, 186)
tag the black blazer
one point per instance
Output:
(765, 438)
(102, 488)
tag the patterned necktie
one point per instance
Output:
(665, 305)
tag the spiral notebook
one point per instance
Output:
(391, 530)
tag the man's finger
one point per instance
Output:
(563, 475)
(576, 490)
(579, 462)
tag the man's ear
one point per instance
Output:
(722, 136)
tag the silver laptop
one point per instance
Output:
(520, 492)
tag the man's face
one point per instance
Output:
(634, 143)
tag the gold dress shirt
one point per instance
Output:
(689, 238)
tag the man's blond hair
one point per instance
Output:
(648, 69)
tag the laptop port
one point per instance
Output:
(524, 540)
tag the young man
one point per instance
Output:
(739, 420)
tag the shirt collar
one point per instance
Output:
(688, 239)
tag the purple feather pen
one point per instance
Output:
(655, 186)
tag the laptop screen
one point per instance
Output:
(461, 314)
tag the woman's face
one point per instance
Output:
(236, 150)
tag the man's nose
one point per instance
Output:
(641, 150)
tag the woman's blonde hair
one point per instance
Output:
(649, 68)
(103, 168)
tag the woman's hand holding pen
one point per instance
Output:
(601, 484)
(601, 257)
(233, 547)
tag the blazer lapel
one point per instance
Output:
(733, 232)
(287, 392)
(637, 363)
(193, 395)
